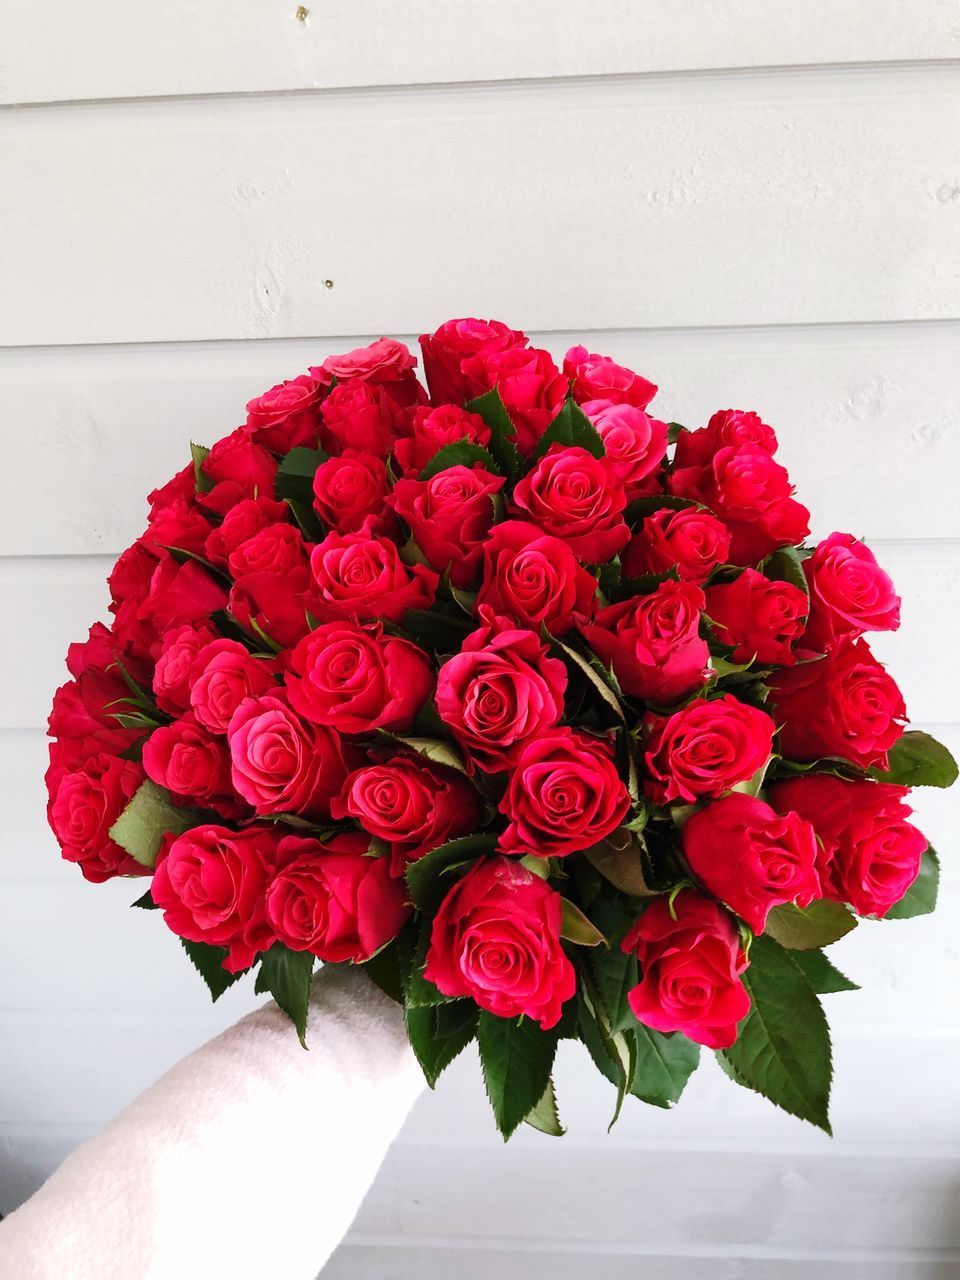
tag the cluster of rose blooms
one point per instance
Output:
(379, 618)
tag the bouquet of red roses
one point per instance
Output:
(536, 707)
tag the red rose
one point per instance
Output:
(129, 583)
(178, 593)
(412, 805)
(752, 858)
(283, 763)
(691, 541)
(359, 415)
(84, 805)
(496, 939)
(331, 899)
(653, 642)
(574, 496)
(752, 495)
(761, 618)
(446, 351)
(210, 884)
(78, 735)
(535, 579)
(272, 604)
(449, 517)
(564, 795)
(690, 966)
(222, 675)
(288, 415)
(277, 549)
(237, 468)
(635, 443)
(849, 592)
(870, 852)
(173, 673)
(191, 763)
(240, 524)
(181, 523)
(728, 428)
(530, 384)
(499, 692)
(361, 576)
(357, 679)
(596, 377)
(83, 715)
(350, 489)
(843, 705)
(432, 430)
(385, 360)
(705, 748)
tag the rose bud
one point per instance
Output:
(705, 749)
(181, 523)
(496, 939)
(849, 592)
(578, 498)
(359, 415)
(432, 430)
(349, 490)
(690, 964)
(728, 428)
(596, 377)
(535, 579)
(635, 443)
(531, 387)
(446, 351)
(237, 469)
(223, 674)
(190, 762)
(288, 415)
(760, 617)
(449, 517)
(84, 805)
(691, 541)
(360, 576)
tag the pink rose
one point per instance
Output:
(849, 592)
(530, 384)
(760, 617)
(273, 604)
(635, 443)
(432, 430)
(191, 763)
(596, 377)
(449, 517)
(223, 675)
(705, 749)
(691, 541)
(385, 360)
(578, 498)
(240, 524)
(288, 415)
(84, 805)
(349, 490)
(361, 576)
(535, 579)
(728, 428)
(277, 549)
(237, 468)
(359, 415)
(446, 352)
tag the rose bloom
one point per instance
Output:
(596, 377)
(760, 617)
(210, 884)
(578, 498)
(273, 604)
(361, 576)
(359, 415)
(849, 592)
(446, 351)
(691, 541)
(413, 805)
(237, 468)
(181, 523)
(240, 524)
(82, 716)
(690, 965)
(432, 430)
(177, 594)
(277, 549)
(282, 763)
(190, 762)
(173, 673)
(222, 675)
(288, 415)
(728, 428)
(331, 899)
(563, 796)
(751, 857)
(870, 852)
(349, 490)
(653, 642)
(842, 705)
(530, 384)
(449, 517)
(84, 805)
(496, 939)
(705, 749)
(499, 692)
(635, 443)
(385, 360)
(357, 679)
(535, 579)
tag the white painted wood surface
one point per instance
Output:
(760, 236)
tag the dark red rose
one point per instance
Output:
(349, 490)
(751, 857)
(273, 604)
(496, 939)
(563, 796)
(761, 618)
(222, 674)
(359, 415)
(705, 749)
(361, 576)
(530, 384)
(288, 415)
(843, 705)
(691, 541)
(596, 377)
(240, 524)
(535, 579)
(432, 430)
(449, 517)
(578, 498)
(446, 351)
(728, 428)
(191, 763)
(690, 966)
(237, 468)
(635, 443)
(849, 592)
(653, 642)
(84, 805)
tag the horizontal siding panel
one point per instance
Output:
(822, 197)
(868, 418)
(192, 49)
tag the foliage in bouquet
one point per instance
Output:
(536, 707)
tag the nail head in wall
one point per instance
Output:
(328, 284)
(302, 13)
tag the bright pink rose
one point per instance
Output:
(351, 489)
(578, 498)
(496, 939)
(288, 415)
(223, 674)
(361, 576)
(653, 642)
(705, 749)
(499, 692)
(596, 377)
(728, 428)
(240, 524)
(359, 415)
(277, 549)
(563, 796)
(273, 604)
(357, 679)
(760, 617)
(849, 592)
(432, 430)
(191, 763)
(635, 443)
(530, 384)
(283, 763)
(84, 805)
(691, 541)
(843, 705)
(535, 579)
(174, 670)
(331, 899)
(237, 468)
(690, 966)
(449, 517)
(870, 854)
(385, 360)
(446, 351)
(752, 858)
(210, 884)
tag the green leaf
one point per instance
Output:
(517, 1058)
(441, 632)
(619, 859)
(807, 928)
(544, 1116)
(286, 975)
(918, 760)
(613, 1052)
(603, 681)
(493, 411)
(208, 962)
(201, 483)
(436, 751)
(674, 431)
(145, 902)
(295, 476)
(822, 975)
(438, 1033)
(664, 1065)
(462, 453)
(149, 816)
(782, 1050)
(427, 878)
(921, 898)
(786, 565)
(576, 927)
(571, 427)
(389, 968)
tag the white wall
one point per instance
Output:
(757, 204)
